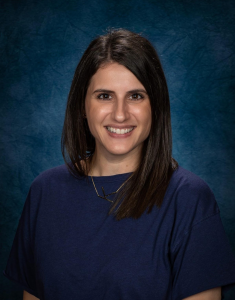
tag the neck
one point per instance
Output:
(109, 165)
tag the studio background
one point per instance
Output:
(41, 44)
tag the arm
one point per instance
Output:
(213, 294)
(27, 296)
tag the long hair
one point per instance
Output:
(149, 181)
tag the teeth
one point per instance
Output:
(120, 131)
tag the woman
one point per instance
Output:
(125, 222)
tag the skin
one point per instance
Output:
(27, 296)
(116, 98)
(213, 294)
(120, 108)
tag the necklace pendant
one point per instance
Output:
(105, 196)
(108, 199)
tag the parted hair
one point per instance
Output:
(147, 186)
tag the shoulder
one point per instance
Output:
(186, 180)
(186, 183)
(54, 177)
(190, 197)
(53, 186)
(56, 172)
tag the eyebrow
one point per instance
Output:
(128, 92)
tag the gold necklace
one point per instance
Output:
(105, 196)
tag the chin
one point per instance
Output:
(120, 151)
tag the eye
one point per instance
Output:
(136, 96)
(104, 96)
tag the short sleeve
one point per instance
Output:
(21, 263)
(203, 260)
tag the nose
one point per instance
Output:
(120, 111)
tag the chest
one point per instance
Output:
(90, 255)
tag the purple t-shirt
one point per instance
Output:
(67, 246)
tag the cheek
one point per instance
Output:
(144, 115)
(97, 113)
(90, 118)
(148, 114)
(148, 125)
(147, 120)
(95, 117)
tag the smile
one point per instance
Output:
(120, 131)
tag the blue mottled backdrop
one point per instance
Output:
(41, 44)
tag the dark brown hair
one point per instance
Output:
(149, 181)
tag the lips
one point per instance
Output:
(119, 130)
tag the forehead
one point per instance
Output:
(114, 76)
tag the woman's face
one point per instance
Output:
(118, 111)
